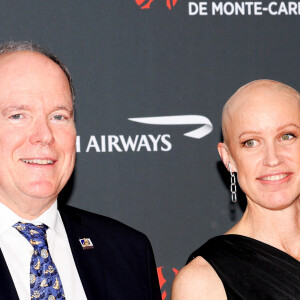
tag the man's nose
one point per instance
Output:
(272, 155)
(41, 133)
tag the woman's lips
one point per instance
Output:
(275, 178)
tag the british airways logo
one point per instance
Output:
(145, 142)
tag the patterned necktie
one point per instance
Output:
(44, 278)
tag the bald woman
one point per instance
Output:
(259, 257)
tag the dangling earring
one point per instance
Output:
(232, 185)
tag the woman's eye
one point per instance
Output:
(250, 143)
(287, 136)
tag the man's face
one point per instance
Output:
(264, 141)
(37, 131)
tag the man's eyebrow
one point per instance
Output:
(67, 108)
(10, 108)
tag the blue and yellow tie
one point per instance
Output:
(44, 278)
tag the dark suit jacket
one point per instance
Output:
(121, 265)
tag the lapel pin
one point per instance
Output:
(86, 243)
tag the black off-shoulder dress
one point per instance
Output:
(250, 269)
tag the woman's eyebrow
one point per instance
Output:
(288, 125)
(249, 132)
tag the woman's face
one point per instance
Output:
(264, 145)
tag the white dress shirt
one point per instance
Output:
(17, 252)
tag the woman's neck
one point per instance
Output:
(278, 228)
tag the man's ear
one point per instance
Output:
(226, 157)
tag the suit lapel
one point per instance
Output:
(7, 287)
(87, 261)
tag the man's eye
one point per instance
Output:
(16, 116)
(59, 117)
(250, 143)
(287, 136)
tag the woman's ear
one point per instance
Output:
(226, 157)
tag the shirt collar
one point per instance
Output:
(7, 218)
(50, 217)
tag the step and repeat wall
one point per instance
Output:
(151, 78)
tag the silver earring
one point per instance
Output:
(232, 185)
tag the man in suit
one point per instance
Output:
(67, 253)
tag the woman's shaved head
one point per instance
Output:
(243, 96)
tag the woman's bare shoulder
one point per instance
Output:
(198, 280)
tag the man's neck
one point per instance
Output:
(29, 209)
